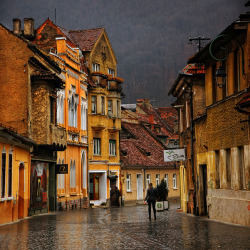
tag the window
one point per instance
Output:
(73, 112)
(128, 180)
(118, 108)
(97, 146)
(93, 104)
(60, 108)
(166, 179)
(10, 174)
(148, 179)
(84, 170)
(95, 67)
(3, 176)
(103, 104)
(242, 173)
(111, 72)
(110, 107)
(174, 181)
(72, 173)
(157, 180)
(84, 115)
(112, 147)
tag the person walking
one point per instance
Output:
(151, 199)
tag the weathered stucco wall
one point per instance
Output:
(229, 206)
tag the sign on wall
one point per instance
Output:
(174, 155)
(61, 168)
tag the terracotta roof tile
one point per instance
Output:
(86, 39)
(145, 150)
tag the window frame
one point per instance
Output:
(166, 179)
(157, 180)
(96, 146)
(10, 173)
(112, 147)
(103, 105)
(174, 181)
(128, 182)
(110, 107)
(148, 180)
(93, 105)
(95, 67)
(3, 173)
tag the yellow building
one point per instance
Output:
(15, 168)
(104, 123)
(71, 115)
(142, 156)
(223, 169)
(214, 115)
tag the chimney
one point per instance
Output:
(28, 27)
(17, 26)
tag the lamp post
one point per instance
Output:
(220, 77)
(220, 74)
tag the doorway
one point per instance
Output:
(21, 192)
(94, 186)
(139, 187)
(203, 189)
(113, 193)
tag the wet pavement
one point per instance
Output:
(122, 228)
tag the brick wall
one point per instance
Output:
(14, 56)
(224, 126)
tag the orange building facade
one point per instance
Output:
(71, 113)
(14, 175)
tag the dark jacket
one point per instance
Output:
(151, 194)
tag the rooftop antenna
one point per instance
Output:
(55, 16)
(199, 39)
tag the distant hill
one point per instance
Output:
(150, 37)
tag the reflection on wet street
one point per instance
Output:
(122, 228)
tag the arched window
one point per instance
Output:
(84, 170)
(73, 111)
(72, 173)
(84, 114)
(60, 107)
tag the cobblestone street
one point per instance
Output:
(122, 228)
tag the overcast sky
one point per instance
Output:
(150, 37)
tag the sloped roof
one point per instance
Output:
(165, 127)
(86, 39)
(145, 150)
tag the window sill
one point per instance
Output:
(175, 188)
(61, 195)
(129, 191)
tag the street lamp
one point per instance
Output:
(220, 74)
(220, 77)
